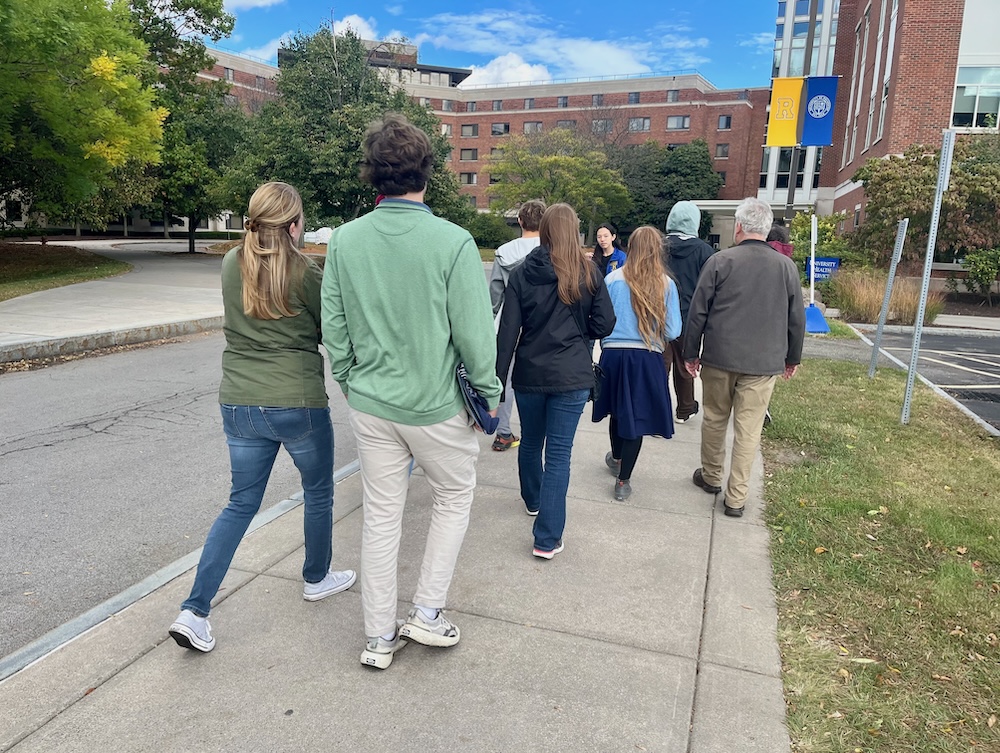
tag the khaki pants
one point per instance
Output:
(447, 453)
(746, 397)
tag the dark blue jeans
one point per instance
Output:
(254, 435)
(547, 421)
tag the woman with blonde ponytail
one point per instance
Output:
(635, 392)
(272, 394)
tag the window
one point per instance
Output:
(470, 107)
(533, 126)
(722, 174)
(673, 95)
(529, 103)
(470, 129)
(447, 157)
(977, 98)
(494, 180)
(857, 216)
(495, 150)
(425, 101)
(468, 155)
(601, 126)
(499, 129)
(671, 147)
(562, 101)
(446, 130)
(497, 105)
(678, 122)
(802, 8)
(228, 74)
(447, 105)
(425, 78)
(468, 179)
(725, 122)
(722, 151)
(597, 100)
(638, 124)
(472, 201)
(566, 124)
(633, 98)
(781, 8)
(260, 82)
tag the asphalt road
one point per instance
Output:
(966, 367)
(112, 467)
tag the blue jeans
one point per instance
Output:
(254, 435)
(549, 421)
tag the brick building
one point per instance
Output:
(251, 81)
(910, 69)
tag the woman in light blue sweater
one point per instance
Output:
(634, 392)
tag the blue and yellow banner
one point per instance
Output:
(817, 112)
(786, 101)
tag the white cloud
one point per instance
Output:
(268, 50)
(506, 69)
(363, 27)
(394, 10)
(235, 5)
(763, 43)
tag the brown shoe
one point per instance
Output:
(699, 480)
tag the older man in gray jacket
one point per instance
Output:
(745, 327)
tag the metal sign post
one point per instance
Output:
(897, 252)
(947, 152)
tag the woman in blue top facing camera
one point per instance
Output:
(608, 253)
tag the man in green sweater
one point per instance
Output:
(404, 300)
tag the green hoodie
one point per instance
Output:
(404, 300)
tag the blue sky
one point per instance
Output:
(730, 42)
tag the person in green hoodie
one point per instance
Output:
(404, 301)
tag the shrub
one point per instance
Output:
(490, 230)
(858, 293)
(829, 243)
(982, 267)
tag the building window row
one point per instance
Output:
(562, 102)
(977, 98)
(598, 125)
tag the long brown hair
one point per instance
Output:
(269, 257)
(559, 232)
(646, 276)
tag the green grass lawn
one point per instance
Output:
(886, 550)
(28, 268)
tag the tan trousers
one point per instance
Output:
(447, 453)
(745, 396)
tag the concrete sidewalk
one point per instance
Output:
(654, 630)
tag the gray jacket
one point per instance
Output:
(746, 314)
(508, 258)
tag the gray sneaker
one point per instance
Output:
(614, 466)
(378, 651)
(191, 631)
(334, 582)
(623, 490)
(437, 632)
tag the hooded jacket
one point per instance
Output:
(552, 351)
(508, 258)
(684, 252)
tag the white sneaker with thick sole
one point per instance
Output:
(437, 632)
(191, 631)
(334, 582)
(378, 651)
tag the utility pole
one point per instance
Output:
(793, 171)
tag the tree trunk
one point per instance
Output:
(76, 227)
(125, 226)
(166, 225)
(192, 228)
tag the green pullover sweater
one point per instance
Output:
(404, 300)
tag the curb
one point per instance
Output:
(62, 346)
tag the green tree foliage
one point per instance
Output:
(559, 166)
(829, 243)
(903, 186)
(982, 268)
(658, 177)
(312, 135)
(73, 106)
(491, 230)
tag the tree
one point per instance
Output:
(658, 177)
(312, 135)
(73, 105)
(903, 186)
(829, 242)
(559, 166)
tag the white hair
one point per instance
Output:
(755, 216)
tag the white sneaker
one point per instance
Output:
(378, 651)
(437, 632)
(191, 631)
(334, 582)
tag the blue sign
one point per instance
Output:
(825, 267)
(817, 112)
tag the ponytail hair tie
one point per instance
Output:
(251, 225)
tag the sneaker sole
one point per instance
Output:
(532, 513)
(504, 448)
(424, 637)
(331, 592)
(542, 554)
(185, 638)
(379, 660)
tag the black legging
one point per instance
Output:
(626, 450)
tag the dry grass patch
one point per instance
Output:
(858, 293)
(886, 550)
(28, 268)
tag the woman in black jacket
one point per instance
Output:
(555, 303)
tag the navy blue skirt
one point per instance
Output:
(635, 393)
